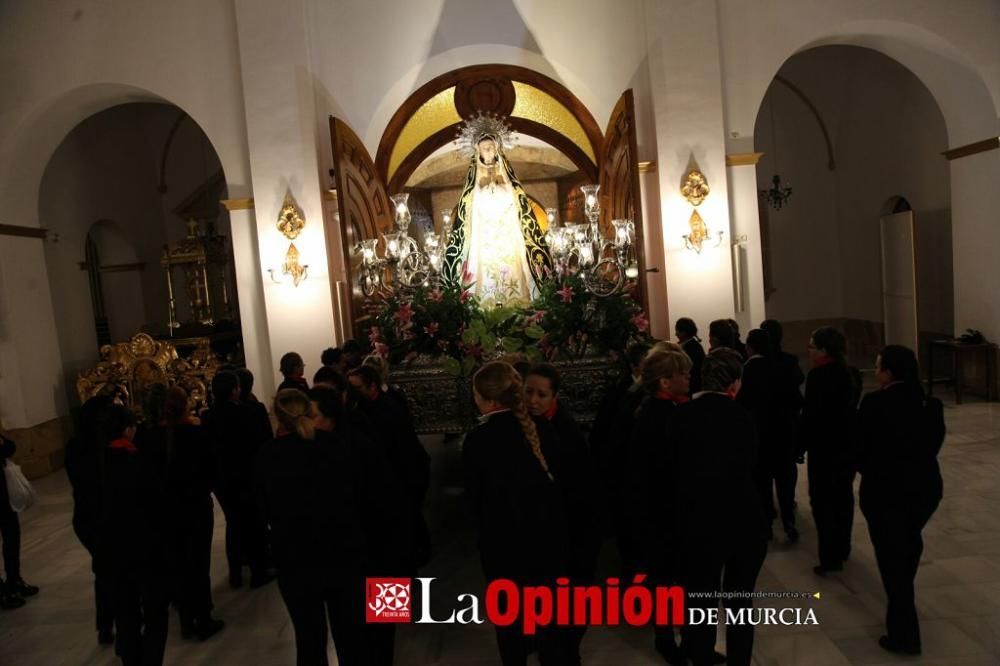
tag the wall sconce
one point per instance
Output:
(292, 268)
(695, 188)
(699, 233)
(290, 224)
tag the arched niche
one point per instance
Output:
(533, 103)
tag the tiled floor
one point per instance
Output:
(958, 584)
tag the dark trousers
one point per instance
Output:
(191, 560)
(777, 475)
(585, 547)
(312, 603)
(736, 566)
(10, 531)
(513, 645)
(895, 532)
(141, 603)
(246, 531)
(103, 591)
(831, 495)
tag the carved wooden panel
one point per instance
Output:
(493, 94)
(619, 170)
(365, 212)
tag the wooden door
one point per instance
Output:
(365, 212)
(619, 173)
(899, 280)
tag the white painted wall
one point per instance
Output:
(887, 134)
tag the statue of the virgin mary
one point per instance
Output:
(496, 238)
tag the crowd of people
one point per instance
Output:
(685, 460)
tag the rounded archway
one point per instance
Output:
(534, 104)
(151, 179)
(846, 128)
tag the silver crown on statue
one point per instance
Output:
(482, 125)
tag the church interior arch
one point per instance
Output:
(887, 132)
(143, 171)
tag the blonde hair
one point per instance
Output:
(499, 381)
(379, 363)
(659, 365)
(294, 412)
(666, 346)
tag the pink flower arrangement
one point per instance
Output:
(640, 322)
(404, 315)
(432, 328)
(435, 295)
(374, 335)
(466, 295)
(536, 317)
(567, 294)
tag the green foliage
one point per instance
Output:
(563, 322)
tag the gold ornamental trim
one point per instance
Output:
(433, 116)
(743, 159)
(237, 204)
(647, 167)
(534, 104)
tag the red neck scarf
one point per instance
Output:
(123, 443)
(821, 361)
(667, 395)
(550, 413)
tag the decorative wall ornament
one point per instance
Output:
(699, 233)
(128, 369)
(292, 268)
(290, 220)
(203, 259)
(695, 187)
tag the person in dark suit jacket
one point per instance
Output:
(901, 432)
(760, 394)
(686, 332)
(609, 441)
(236, 431)
(827, 434)
(721, 334)
(132, 539)
(665, 383)
(190, 517)
(308, 491)
(292, 369)
(385, 517)
(737, 343)
(410, 463)
(83, 468)
(791, 378)
(576, 477)
(509, 463)
(14, 589)
(719, 529)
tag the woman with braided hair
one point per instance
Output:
(511, 465)
(309, 495)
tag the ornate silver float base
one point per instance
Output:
(442, 403)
